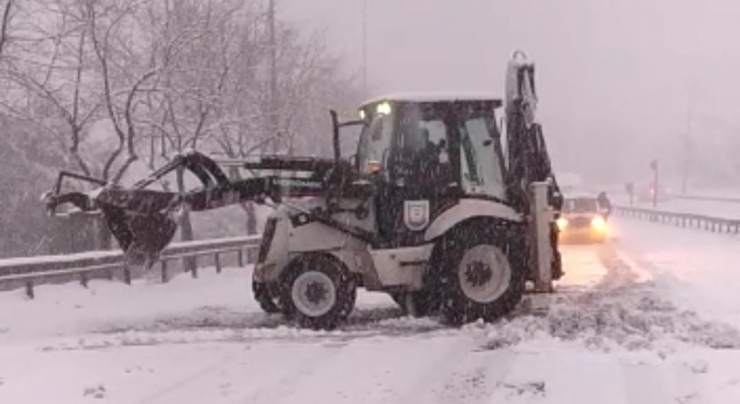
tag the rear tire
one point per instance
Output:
(478, 280)
(318, 292)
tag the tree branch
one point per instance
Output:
(4, 25)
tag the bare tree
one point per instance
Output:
(53, 73)
(161, 77)
(112, 30)
(7, 8)
(77, 71)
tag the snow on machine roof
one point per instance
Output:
(436, 97)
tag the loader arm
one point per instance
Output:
(144, 221)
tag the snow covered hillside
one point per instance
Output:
(650, 317)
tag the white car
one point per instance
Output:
(582, 219)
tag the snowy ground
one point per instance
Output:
(651, 317)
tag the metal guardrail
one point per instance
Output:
(688, 220)
(727, 199)
(34, 270)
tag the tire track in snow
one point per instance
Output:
(228, 380)
(464, 375)
(187, 381)
(641, 384)
(474, 378)
(283, 386)
(379, 370)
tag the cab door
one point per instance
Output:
(421, 170)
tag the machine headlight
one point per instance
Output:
(598, 223)
(374, 167)
(383, 108)
(562, 223)
(362, 114)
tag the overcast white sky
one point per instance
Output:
(614, 75)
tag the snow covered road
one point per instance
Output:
(652, 317)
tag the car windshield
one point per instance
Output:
(581, 205)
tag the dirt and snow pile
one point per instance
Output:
(603, 322)
(619, 311)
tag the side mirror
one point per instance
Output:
(487, 142)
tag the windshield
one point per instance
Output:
(481, 165)
(375, 140)
(581, 205)
(432, 131)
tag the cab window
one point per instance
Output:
(374, 143)
(479, 160)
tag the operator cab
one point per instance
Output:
(429, 152)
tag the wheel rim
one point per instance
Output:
(484, 273)
(314, 293)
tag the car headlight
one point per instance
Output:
(562, 223)
(598, 223)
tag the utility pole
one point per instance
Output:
(364, 47)
(273, 96)
(656, 182)
(686, 153)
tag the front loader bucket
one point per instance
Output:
(140, 220)
(142, 237)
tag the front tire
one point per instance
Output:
(318, 292)
(267, 296)
(478, 278)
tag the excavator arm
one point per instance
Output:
(529, 160)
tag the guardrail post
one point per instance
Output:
(126, 274)
(217, 262)
(251, 255)
(194, 272)
(163, 268)
(83, 279)
(240, 257)
(29, 289)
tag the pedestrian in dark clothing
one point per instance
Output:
(605, 204)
